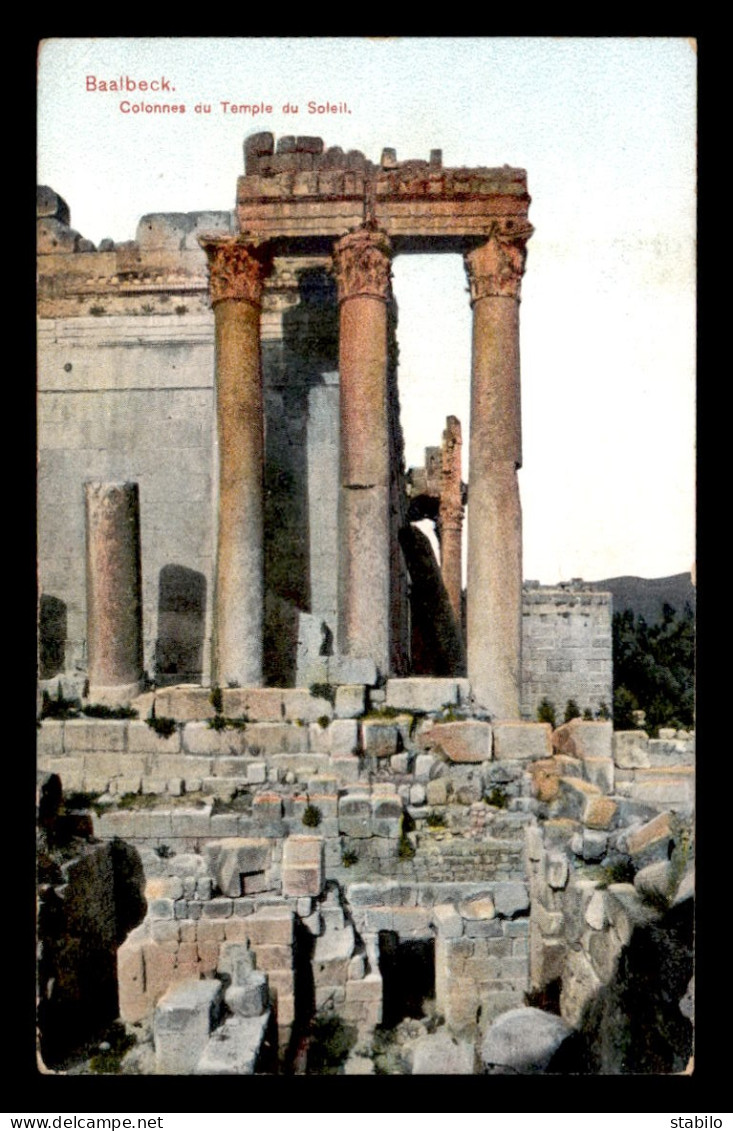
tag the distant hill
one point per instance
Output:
(646, 596)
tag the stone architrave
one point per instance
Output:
(114, 592)
(494, 605)
(362, 267)
(237, 271)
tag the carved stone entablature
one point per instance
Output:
(363, 265)
(495, 268)
(237, 268)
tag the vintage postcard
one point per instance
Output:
(366, 401)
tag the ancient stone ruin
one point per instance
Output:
(309, 776)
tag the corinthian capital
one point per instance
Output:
(237, 268)
(362, 264)
(496, 267)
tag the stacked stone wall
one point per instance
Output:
(566, 648)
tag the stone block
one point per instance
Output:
(626, 911)
(630, 748)
(191, 822)
(584, 739)
(257, 773)
(271, 926)
(260, 704)
(343, 737)
(657, 832)
(237, 960)
(298, 703)
(400, 763)
(421, 693)
(346, 769)
(200, 738)
(511, 898)
(378, 739)
(448, 922)
(350, 701)
(234, 1049)
(423, 767)
(352, 669)
(183, 1020)
(232, 859)
(580, 985)
(411, 922)
(604, 949)
(600, 772)
(523, 1041)
(355, 815)
(50, 738)
(675, 792)
(218, 908)
(95, 734)
(249, 997)
(469, 741)
(666, 752)
(436, 791)
(599, 812)
(276, 738)
(186, 766)
(595, 911)
(522, 741)
(267, 807)
(142, 739)
(482, 929)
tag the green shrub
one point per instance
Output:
(324, 691)
(546, 713)
(572, 711)
(330, 1043)
(99, 711)
(217, 700)
(497, 797)
(349, 857)
(406, 849)
(587, 715)
(162, 726)
(603, 711)
(323, 721)
(311, 816)
(59, 708)
(435, 820)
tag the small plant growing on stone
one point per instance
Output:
(59, 708)
(217, 723)
(406, 850)
(323, 721)
(435, 820)
(100, 711)
(164, 851)
(572, 711)
(603, 712)
(497, 797)
(217, 700)
(587, 715)
(311, 816)
(181, 310)
(546, 713)
(108, 1060)
(163, 726)
(324, 691)
(349, 857)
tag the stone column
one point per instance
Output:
(494, 605)
(450, 514)
(237, 272)
(362, 268)
(114, 592)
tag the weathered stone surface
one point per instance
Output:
(655, 883)
(436, 791)
(298, 703)
(184, 1017)
(584, 739)
(522, 741)
(200, 738)
(350, 701)
(599, 812)
(448, 922)
(234, 1049)
(184, 703)
(335, 946)
(235, 857)
(600, 772)
(270, 926)
(96, 735)
(260, 704)
(440, 1054)
(545, 779)
(352, 669)
(421, 693)
(355, 815)
(468, 741)
(378, 739)
(510, 898)
(249, 997)
(670, 752)
(302, 866)
(630, 748)
(523, 1040)
(481, 908)
(580, 984)
(625, 911)
(657, 832)
(595, 912)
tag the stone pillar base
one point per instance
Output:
(120, 696)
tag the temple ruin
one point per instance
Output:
(319, 752)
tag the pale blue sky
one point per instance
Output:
(606, 131)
